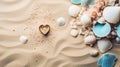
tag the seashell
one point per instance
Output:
(101, 20)
(74, 32)
(94, 53)
(118, 40)
(90, 40)
(112, 14)
(61, 21)
(85, 20)
(104, 45)
(85, 3)
(44, 29)
(107, 60)
(102, 30)
(76, 1)
(74, 26)
(23, 39)
(118, 30)
(74, 10)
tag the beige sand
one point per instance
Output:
(58, 49)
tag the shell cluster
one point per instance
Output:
(98, 21)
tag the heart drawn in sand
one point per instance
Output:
(44, 29)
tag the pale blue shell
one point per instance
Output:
(102, 30)
(107, 60)
(87, 2)
(76, 1)
(118, 30)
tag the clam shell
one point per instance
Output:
(76, 1)
(74, 10)
(107, 60)
(23, 39)
(112, 14)
(74, 32)
(61, 21)
(85, 20)
(104, 45)
(94, 52)
(91, 39)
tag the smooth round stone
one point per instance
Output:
(76, 1)
(102, 30)
(118, 30)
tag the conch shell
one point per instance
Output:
(104, 45)
(90, 40)
(112, 14)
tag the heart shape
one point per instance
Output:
(44, 29)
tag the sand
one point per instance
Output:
(58, 49)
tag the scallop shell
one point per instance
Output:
(61, 21)
(104, 45)
(112, 14)
(103, 60)
(94, 52)
(90, 40)
(23, 39)
(74, 32)
(74, 10)
(85, 20)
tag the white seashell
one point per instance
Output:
(104, 45)
(112, 14)
(23, 39)
(101, 20)
(85, 20)
(94, 52)
(91, 39)
(61, 21)
(118, 40)
(74, 32)
(74, 10)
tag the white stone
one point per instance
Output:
(23, 39)
(61, 21)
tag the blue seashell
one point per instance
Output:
(102, 30)
(86, 2)
(76, 1)
(107, 60)
(118, 30)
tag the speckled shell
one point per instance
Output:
(85, 20)
(104, 45)
(91, 39)
(112, 14)
(73, 10)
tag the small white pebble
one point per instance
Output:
(23, 39)
(74, 10)
(94, 52)
(61, 21)
(74, 32)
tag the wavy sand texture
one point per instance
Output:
(58, 49)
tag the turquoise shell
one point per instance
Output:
(87, 2)
(107, 60)
(102, 30)
(76, 1)
(118, 30)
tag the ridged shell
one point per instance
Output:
(74, 10)
(85, 20)
(91, 39)
(104, 45)
(112, 14)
